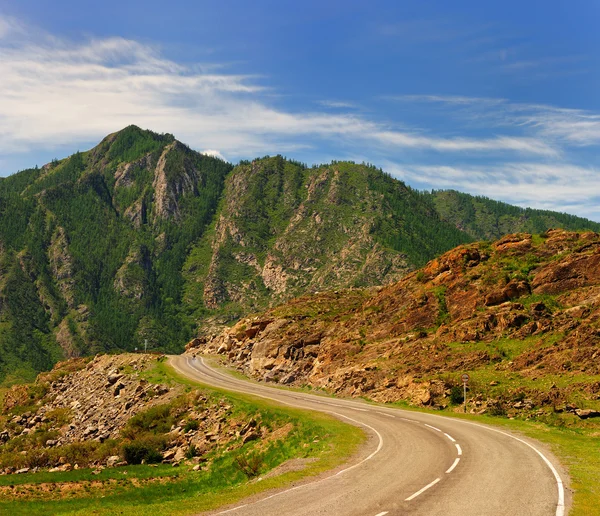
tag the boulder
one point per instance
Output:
(112, 461)
(587, 413)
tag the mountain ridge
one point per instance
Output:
(143, 240)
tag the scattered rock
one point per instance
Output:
(112, 461)
(587, 413)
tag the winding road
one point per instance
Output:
(412, 464)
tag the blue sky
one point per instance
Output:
(491, 98)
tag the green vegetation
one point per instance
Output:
(98, 253)
(319, 440)
(68, 252)
(485, 219)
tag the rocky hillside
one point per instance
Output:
(110, 411)
(142, 240)
(520, 315)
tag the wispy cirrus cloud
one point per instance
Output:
(55, 91)
(561, 187)
(554, 125)
(336, 104)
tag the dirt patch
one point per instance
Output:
(289, 466)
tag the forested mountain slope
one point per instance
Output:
(142, 239)
(485, 219)
(91, 248)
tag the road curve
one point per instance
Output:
(413, 463)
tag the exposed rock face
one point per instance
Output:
(175, 176)
(319, 237)
(131, 279)
(394, 342)
(61, 264)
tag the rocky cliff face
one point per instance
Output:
(513, 314)
(284, 230)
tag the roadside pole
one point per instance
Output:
(465, 381)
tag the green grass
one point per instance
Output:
(578, 450)
(148, 490)
(575, 443)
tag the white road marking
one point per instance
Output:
(409, 420)
(458, 448)
(234, 509)
(450, 437)
(560, 506)
(388, 415)
(421, 491)
(456, 461)
(382, 513)
(432, 427)
(354, 408)
(379, 446)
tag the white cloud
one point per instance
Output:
(337, 104)
(54, 91)
(554, 125)
(10, 27)
(558, 187)
(214, 154)
(502, 143)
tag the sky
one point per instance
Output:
(494, 98)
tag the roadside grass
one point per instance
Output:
(150, 489)
(577, 447)
(574, 442)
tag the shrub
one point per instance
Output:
(457, 395)
(190, 425)
(157, 420)
(250, 465)
(191, 452)
(137, 451)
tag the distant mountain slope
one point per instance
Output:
(485, 219)
(142, 239)
(284, 229)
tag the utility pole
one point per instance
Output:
(145, 345)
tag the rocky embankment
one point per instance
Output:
(521, 315)
(85, 413)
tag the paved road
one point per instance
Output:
(412, 464)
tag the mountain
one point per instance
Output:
(485, 219)
(519, 315)
(91, 249)
(142, 240)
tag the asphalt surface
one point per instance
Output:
(412, 464)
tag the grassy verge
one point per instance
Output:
(148, 489)
(574, 442)
(577, 447)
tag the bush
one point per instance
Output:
(148, 450)
(457, 395)
(191, 452)
(190, 425)
(157, 420)
(250, 465)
